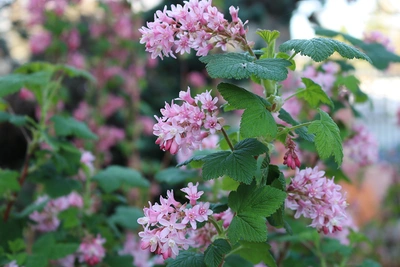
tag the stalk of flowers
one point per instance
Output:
(196, 25)
(314, 196)
(91, 250)
(184, 127)
(362, 147)
(47, 220)
(168, 223)
(291, 159)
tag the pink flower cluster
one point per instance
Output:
(196, 25)
(362, 147)
(167, 225)
(291, 159)
(181, 126)
(46, 220)
(325, 76)
(91, 250)
(314, 196)
(379, 37)
(12, 264)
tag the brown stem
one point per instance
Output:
(21, 182)
(227, 138)
(282, 255)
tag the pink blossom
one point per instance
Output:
(379, 37)
(108, 137)
(73, 39)
(76, 60)
(191, 193)
(195, 25)
(291, 159)
(112, 105)
(362, 147)
(40, 41)
(123, 27)
(81, 113)
(314, 196)
(25, 94)
(12, 264)
(91, 250)
(68, 261)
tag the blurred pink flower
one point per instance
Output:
(91, 250)
(25, 94)
(108, 137)
(73, 39)
(113, 104)
(123, 27)
(39, 42)
(76, 60)
(197, 79)
(82, 111)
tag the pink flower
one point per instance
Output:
(112, 105)
(25, 94)
(81, 113)
(291, 159)
(314, 196)
(12, 264)
(362, 147)
(191, 193)
(76, 60)
(91, 250)
(123, 27)
(68, 261)
(39, 42)
(379, 37)
(197, 79)
(73, 39)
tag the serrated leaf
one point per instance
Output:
(126, 217)
(241, 66)
(65, 126)
(256, 120)
(218, 207)
(16, 245)
(187, 259)
(256, 253)
(313, 94)
(319, 49)
(114, 177)
(327, 137)
(268, 36)
(260, 201)
(12, 83)
(173, 176)
(247, 227)
(238, 164)
(235, 260)
(9, 181)
(215, 252)
(379, 55)
(302, 132)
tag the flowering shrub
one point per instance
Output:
(69, 205)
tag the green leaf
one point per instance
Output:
(36, 261)
(126, 217)
(238, 164)
(333, 246)
(320, 49)
(187, 259)
(31, 208)
(18, 120)
(379, 55)
(61, 250)
(235, 260)
(74, 72)
(44, 245)
(66, 126)
(256, 120)
(173, 176)
(251, 205)
(118, 261)
(12, 83)
(313, 94)
(369, 263)
(17, 245)
(215, 252)
(61, 186)
(241, 66)
(276, 219)
(70, 218)
(256, 253)
(9, 181)
(302, 132)
(268, 36)
(260, 201)
(113, 177)
(327, 137)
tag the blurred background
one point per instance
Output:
(102, 37)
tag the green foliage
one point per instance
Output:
(70, 218)
(8, 181)
(320, 49)
(380, 57)
(187, 259)
(126, 217)
(369, 263)
(251, 205)
(113, 177)
(118, 261)
(17, 120)
(66, 126)
(241, 66)
(327, 137)
(313, 94)
(235, 260)
(238, 164)
(268, 36)
(256, 120)
(302, 131)
(256, 253)
(173, 176)
(216, 252)
(12, 83)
